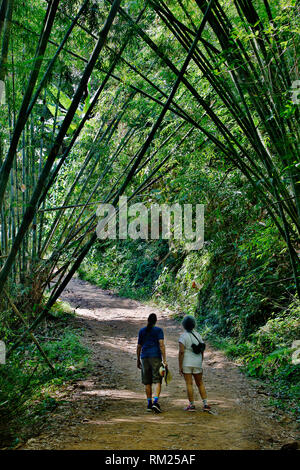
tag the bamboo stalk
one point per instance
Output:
(33, 204)
(21, 121)
(19, 315)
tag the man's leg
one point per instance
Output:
(146, 379)
(156, 379)
(156, 406)
(148, 388)
(157, 389)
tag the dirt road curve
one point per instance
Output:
(108, 410)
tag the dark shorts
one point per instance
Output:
(150, 370)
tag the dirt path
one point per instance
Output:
(108, 411)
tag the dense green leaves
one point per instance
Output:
(131, 104)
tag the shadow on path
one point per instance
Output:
(108, 410)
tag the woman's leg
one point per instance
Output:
(189, 386)
(200, 384)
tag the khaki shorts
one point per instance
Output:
(192, 370)
(150, 370)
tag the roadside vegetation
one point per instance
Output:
(177, 101)
(238, 285)
(28, 386)
(257, 335)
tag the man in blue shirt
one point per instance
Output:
(151, 353)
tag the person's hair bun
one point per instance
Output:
(152, 319)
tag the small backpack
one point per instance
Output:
(197, 348)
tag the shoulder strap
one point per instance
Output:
(195, 337)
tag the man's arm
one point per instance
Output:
(163, 351)
(138, 354)
(180, 358)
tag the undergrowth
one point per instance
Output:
(28, 386)
(128, 267)
(268, 355)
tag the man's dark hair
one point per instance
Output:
(152, 319)
(188, 323)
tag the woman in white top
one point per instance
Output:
(190, 363)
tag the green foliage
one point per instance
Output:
(27, 383)
(129, 267)
(280, 331)
(267, 355)
(233, 285)
(239, 158)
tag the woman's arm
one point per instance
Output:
(180, 358)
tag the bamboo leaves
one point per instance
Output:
(33, 204)
(161, 76)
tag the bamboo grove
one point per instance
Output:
(100, 98)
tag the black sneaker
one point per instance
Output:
(206, 408)
(156, 407)
(149, 407)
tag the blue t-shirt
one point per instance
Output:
(149, 340)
